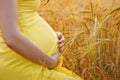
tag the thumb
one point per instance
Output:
(59, 35)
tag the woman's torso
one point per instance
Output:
(34, 27)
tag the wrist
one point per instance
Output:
(53, 64)
(55, 61)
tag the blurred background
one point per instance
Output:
(92, 32)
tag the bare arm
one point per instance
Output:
(16, 40)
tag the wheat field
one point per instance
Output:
(92, 32)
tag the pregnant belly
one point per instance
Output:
(39, 32)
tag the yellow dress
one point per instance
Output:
(15, 67)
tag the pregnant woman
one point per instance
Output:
(28, 45)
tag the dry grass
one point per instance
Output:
(92, 31)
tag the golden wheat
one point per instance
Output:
(92, 32)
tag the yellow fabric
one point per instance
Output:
(15, 67)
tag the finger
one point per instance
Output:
(61, 45)
(61, 49)
(61, 40)
(59, 35)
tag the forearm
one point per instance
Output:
(23, 46)
(14, 38)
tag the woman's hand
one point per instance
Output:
(56, 56)
(61, 40)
